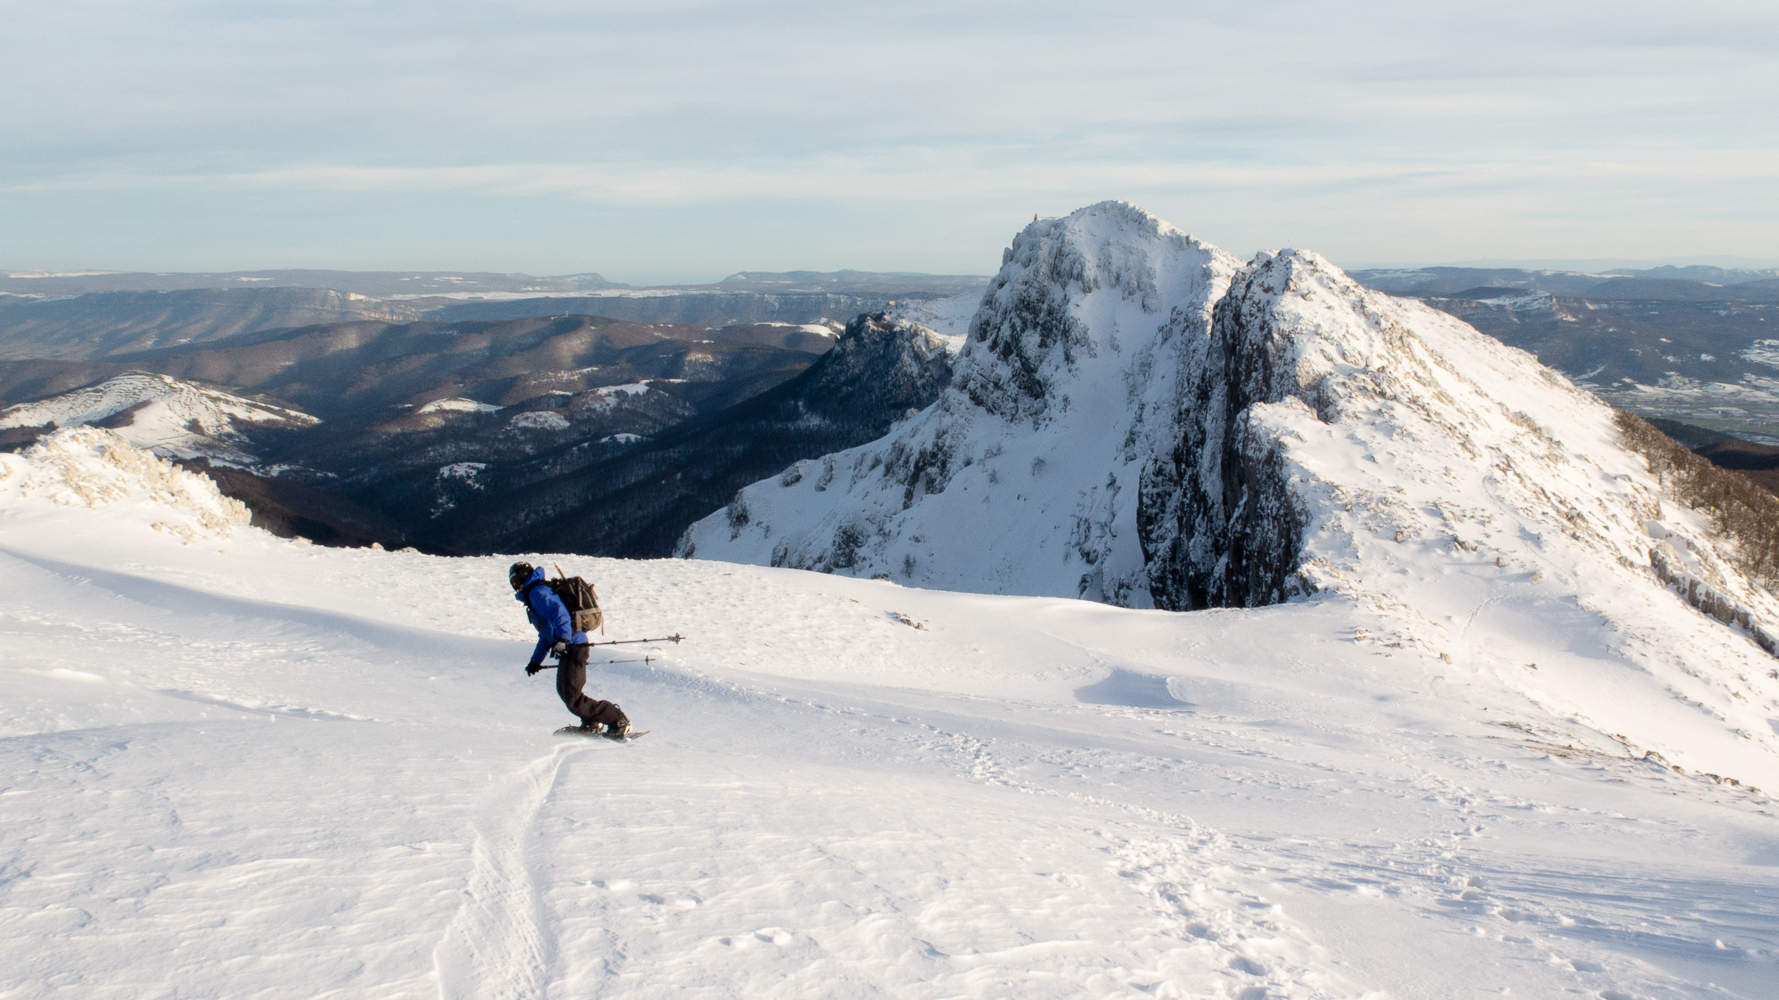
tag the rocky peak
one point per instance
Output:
(1034, 331)
(879, 363)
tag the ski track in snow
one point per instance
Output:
(500, 943)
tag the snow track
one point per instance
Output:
(500, 944)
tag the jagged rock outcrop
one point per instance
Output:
(879, 366)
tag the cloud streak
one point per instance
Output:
(921, 175)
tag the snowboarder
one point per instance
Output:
(557, 638)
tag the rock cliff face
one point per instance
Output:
(1221, 522)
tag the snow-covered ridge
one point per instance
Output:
(98, 468)
(166, 415)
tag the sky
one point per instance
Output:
(680, 140)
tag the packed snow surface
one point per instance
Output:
(167, 415)
(233, 765)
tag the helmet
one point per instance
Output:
(518, 573)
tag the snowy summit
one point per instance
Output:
(1464, 702)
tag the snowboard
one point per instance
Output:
(578, 731)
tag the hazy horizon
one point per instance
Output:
(1583, 265)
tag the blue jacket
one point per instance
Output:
(548, 615)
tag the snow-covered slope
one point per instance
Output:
(242, 766)
(162, 413)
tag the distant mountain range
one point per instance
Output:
(638, 500)
(378, 284)
(100, 324)
(1603, 265)
(574, 432)
(1697, 283)
(105, 316)
(469, 284)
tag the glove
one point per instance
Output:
(531, 669)
(558, 648)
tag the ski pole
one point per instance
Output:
(675, 638)
(600, 663)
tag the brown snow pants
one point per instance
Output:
(571, 676)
